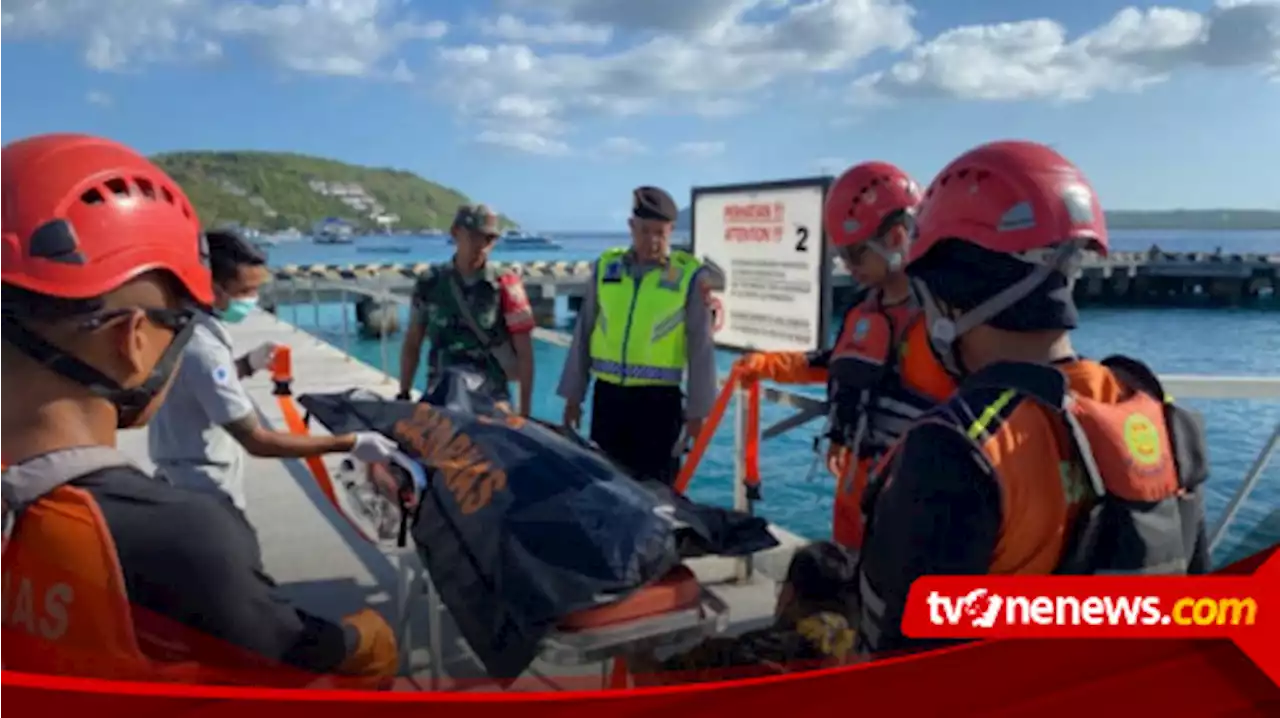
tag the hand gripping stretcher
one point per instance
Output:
(378, 502)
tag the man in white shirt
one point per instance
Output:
(200, 434)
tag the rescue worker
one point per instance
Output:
(1043, 461)
(881, 375)
(207, 422)
(477, 317)
(644, 318)
(108, 572)
(812, 628)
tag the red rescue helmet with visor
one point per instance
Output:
(1019, 201)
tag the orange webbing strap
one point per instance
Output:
(708, 431)
(751, 442)
(620, 678)
(282, 375)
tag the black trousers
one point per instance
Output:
(638, 426)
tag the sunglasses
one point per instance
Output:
(174, 320)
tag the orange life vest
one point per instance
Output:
(886, 350)
(1128, 464)
(66, 608)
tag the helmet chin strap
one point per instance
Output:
(130, 402)
(944, 330)
(893, 257)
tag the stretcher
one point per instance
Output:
(378, 501)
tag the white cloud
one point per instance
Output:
(1035, 60)
(700, 149)
(694, 58)
(99, 98)
(328, 37)
(512, 28)
(530, 142)
(622, 147)
(705, 58)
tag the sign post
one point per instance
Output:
(769, 241)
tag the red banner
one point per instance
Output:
(1183, 674)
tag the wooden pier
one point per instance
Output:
(1150, 279)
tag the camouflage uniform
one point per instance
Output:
(498, 303)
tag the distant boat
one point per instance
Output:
(332, 239)
(384, 248)
(515, 240)
(332, 230)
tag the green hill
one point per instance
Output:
(1192, 219)
(277, 190)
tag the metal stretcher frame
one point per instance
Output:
(580, 647)
(564, 648)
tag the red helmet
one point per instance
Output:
(1011, 197)
(83, 215)
(863, 198)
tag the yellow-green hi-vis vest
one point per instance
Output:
(639, 336)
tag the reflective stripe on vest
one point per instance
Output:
(639, 337)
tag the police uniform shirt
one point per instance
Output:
(702, 383)
(186, 439)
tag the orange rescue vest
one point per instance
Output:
(66, 604)
(66, 610)
(884, 351)
(1128, 465)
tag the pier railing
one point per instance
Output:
(746, 397)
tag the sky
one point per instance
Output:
(553, 110)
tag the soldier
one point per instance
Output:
(476, 316)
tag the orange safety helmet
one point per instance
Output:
(84, 215)
(1010, 197)
(866, 201)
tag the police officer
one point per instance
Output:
(477, 317)
(203, 429)
(644, 319)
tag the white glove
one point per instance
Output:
(259, 358)
(373, 448)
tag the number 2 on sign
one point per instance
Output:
(802, 238)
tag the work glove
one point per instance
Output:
(783, 367)
(373, 448)
(260, 358)
(375, 656)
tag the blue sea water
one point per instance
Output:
(797, 493)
